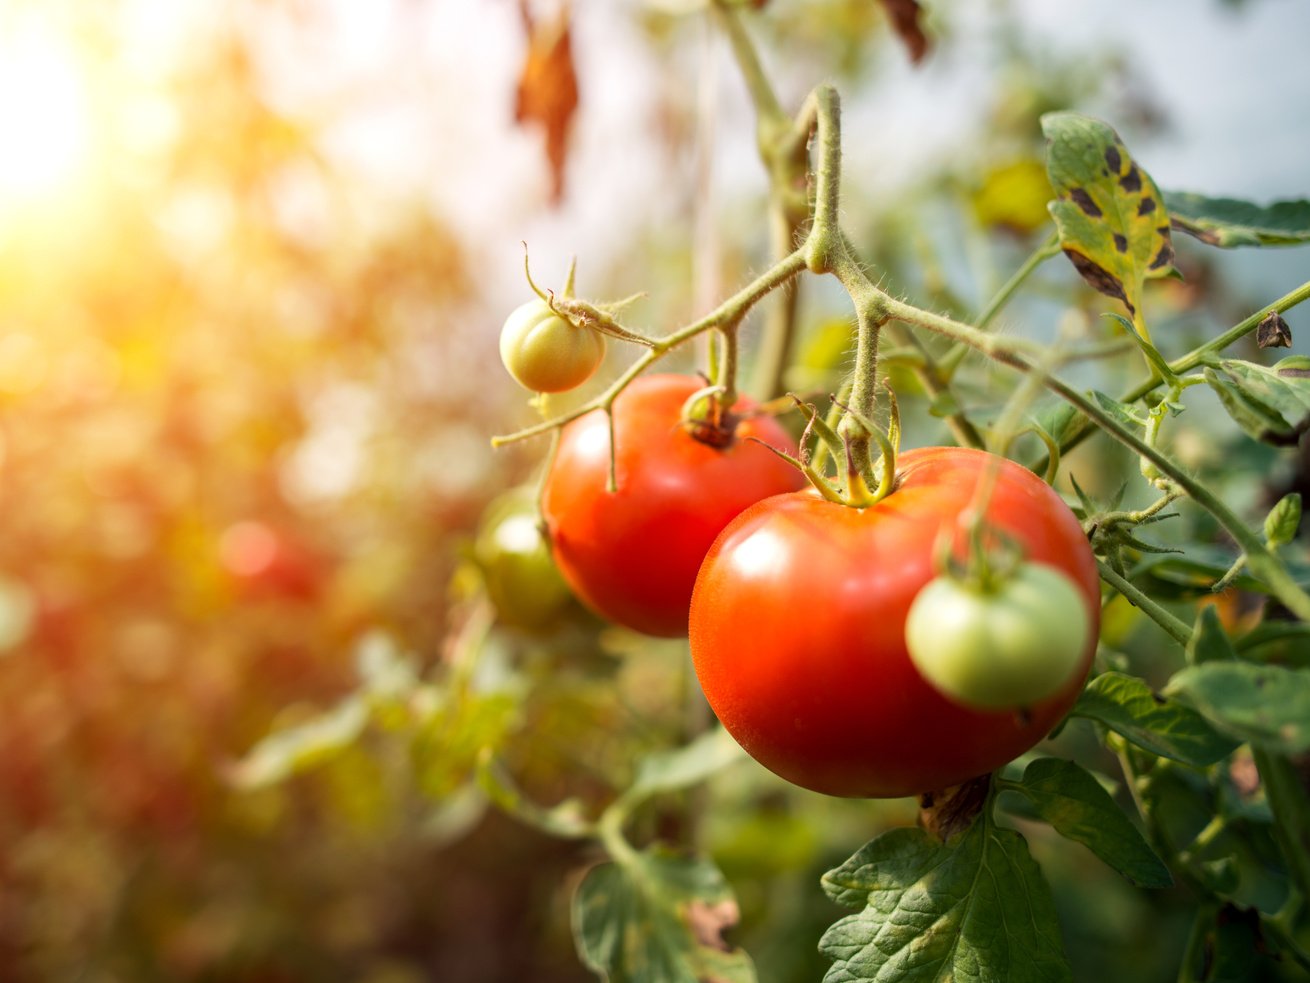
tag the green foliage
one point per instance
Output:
(656, 916)
(1078, 807)
(973, 908)
(1267, 705)
(1271, 403)
(1230, 222)
(1129, 707)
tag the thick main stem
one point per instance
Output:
(1196, 356)
(1263, 563)
(730, 311)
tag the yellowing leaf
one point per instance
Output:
(1111, 217)
(1014, 196)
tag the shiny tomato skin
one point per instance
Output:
(632, 555)
(798, 630)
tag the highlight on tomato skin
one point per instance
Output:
(797, 630)
(632, 555)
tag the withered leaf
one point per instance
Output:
(905, 16)
(1273, 332)
(548, 88)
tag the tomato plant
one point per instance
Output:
(1002, 644)
(545, 352)
(798, 630)
(632, 553)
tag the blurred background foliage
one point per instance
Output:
(246, 386)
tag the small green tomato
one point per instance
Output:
(547, 354)
(1000, 649)
(522, 582)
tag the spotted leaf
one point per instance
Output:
(1111, 217)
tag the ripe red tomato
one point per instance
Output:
(798, 630)
(632, 554)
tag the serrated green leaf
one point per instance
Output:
(1209, 642)
(1230, 222)
(1060, 420)
(308, 745)
(1111, 217)
(977, 909)
(1078, 808)
(658, 917)
(1129, 707)
(668, 771)
(1128, 415)
(1271, 403)
(1283, 520)
(1260, 421)
(1264, 704)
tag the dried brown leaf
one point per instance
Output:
(547, 92)
(905, 16)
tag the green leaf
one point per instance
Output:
(297, 749)
(668, 771)
(1078, 808)
(1264, 704)
(566, 820)
(1209, 640)
(1229, 222)
(1283, 520)
(1195, 573)
(1111, 218)
(1271, 403)
(976, 909)
(1165, 727)
(1283, 642)
(1128, 415)
(658, 917)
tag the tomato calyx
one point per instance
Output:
(707, 417)
(860, 482)
(948, 812)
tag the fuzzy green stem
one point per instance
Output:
(783, 152)
(1262, 562)
(732, 309)
(824, 242)
(727, 378)
(1049, 247)
(1199, 354)
(1174, 627)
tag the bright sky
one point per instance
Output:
(423, 94)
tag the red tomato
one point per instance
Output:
(798, 630)
(632, 555)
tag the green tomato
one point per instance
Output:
(521, 579)
(1004, 648)
(547, 354)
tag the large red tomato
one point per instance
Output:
(798, 630)
(632, 554)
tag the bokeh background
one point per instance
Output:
(254, 257)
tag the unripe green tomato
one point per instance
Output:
(522, 581)
(1003, 648)
(547, 354)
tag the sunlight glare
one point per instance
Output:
(43, 115)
